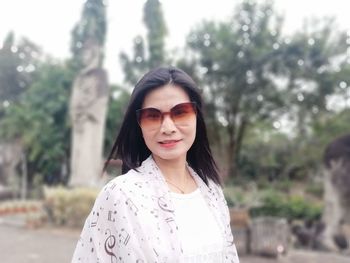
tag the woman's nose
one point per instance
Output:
(167, 125)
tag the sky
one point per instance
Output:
(48, 23)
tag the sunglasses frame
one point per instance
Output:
(162, 114)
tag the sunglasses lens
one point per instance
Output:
(182, 113)
(149, 118)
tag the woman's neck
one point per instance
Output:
(173, 170)
(176, 175)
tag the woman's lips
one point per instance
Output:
(168, 143)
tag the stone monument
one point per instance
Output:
(269, 236)
(336, 214)
(88, 108)
(10, 158)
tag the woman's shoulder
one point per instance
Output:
(210, 185)
(215, 188)
(126, 184)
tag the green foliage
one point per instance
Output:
(136, 66)
(308, 156)
(269, 155)
(251, 73)
(237, 59)
(283, 185)
(40, 121)
(117, 105)
(315, 189)
(155, 56)
(230, 202)
(154, 21)
(18, 62)
(251, 76)
(241, 196)
(331, 126)
(234, 198)
(313, 61)
(293, 207)
(273, 204)
(266, 153)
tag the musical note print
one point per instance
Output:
(124, 237)
(94, 218)
(138, 184)
(162, 203)
(113, 186)
(230, 241)
(110, 215)
(155, 252)
(132, 206)
(155, 213)
(135, 215)
(109, 245)
(117, 203)
(107, 195)
(171, 223)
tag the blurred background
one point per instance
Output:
(275, 77)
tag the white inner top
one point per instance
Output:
(198, 231)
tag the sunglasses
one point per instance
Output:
(152, 118)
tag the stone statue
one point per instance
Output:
(10, 158)
(88, 108)
(337, 194)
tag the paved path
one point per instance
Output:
(20, 245)
(48, 245)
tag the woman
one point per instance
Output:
(168, 205)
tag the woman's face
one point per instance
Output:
(171, 137)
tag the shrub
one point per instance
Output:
(283, 185)
(315, 189)
(69, 207)
(293, 207)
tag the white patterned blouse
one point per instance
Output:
(134, 220)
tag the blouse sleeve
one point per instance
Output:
(106, 233)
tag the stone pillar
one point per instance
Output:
(336, 215)
(240, 222)
(332, 213)
(269, 236)
(10, 157)
(88, 111)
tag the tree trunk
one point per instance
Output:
(231, 160)
(240, 136)
(234, 147)
(24, 186)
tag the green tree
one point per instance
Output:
(141, 61)
(266, 152)
(307, 156)
(18, 63)
(154, 21)
(40, 121)
(236, 61)
(118, 101)
(313, 61)
(251, 73)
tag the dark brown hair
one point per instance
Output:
(129, 145)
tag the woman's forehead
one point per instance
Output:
(165, 97)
